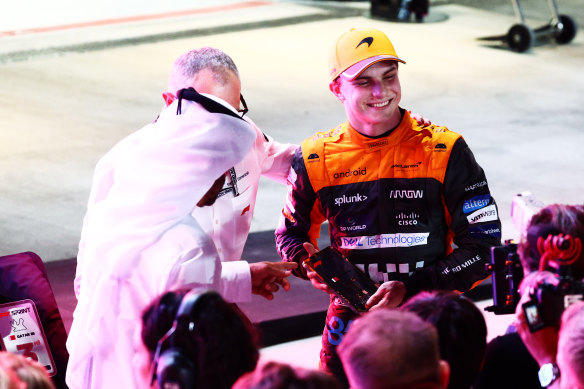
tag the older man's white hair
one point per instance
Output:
(187, 66)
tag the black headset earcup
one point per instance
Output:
(176, 371)
(176, 367)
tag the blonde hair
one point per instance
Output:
(18, 372)
(387, 349)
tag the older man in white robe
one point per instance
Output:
(140, 239)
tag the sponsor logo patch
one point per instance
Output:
(407, 219)
(412, 166)
(313, 157)
(351, 225)
(230, 187)
(350, 173)
(475, 203)
(440, 147)
(486, 229)
(406, 194)
(463, 265)
(368, 40)
(384, 240)
(327, 134)
(486, 214)
(377, 144)
(344, 199)
(352, 228)
(475, 186)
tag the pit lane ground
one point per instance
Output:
(77, 79)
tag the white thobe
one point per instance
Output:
(228, 221)
(139, 238)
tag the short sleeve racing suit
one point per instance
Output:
(395, 206)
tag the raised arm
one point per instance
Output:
(301, 216)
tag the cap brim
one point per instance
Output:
(353, 71)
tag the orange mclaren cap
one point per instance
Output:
(356, 50)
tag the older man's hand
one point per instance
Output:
(267, 276)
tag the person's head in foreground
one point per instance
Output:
(553, 219)
(275, 375)
(390, 349)
(205, 340)
(462, 332)
(364, 77)
(551, 246)
(570, 356)
(18, 372)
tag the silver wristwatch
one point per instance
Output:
(547, 374)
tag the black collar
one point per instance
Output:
(209, 104)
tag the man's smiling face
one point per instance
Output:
(371, 99)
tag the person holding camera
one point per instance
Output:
(554, 268)
(559, 353)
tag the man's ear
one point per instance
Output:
(335, 87)
(444, 374)
(168, 98)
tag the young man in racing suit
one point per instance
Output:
(396, 195)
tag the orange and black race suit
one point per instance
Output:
(413, 206)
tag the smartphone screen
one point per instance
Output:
(533, 316)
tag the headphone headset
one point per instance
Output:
(173, 366)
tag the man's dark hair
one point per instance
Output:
(462, 332)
